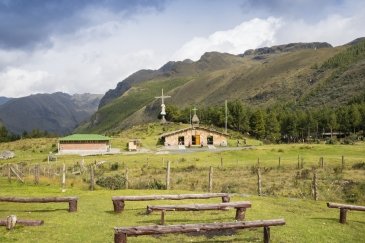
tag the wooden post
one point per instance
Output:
(240, 214)
(162, 222)
(9, 173)
(118, 206)
(92, 178)
(72, 206)
(211, 179)
(298, 162)
(266, 234)
(279, 161)
(314, 186)
(36, 174)
(259, 181)
(343, 163)
(120, 238)
(343, 212)
(63, 177)
(168, 175)
(322, 162)
(258, 162)
(10, 222)
(126, 178)
(221, 162)
(302, 163)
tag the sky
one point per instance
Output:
(88, 46)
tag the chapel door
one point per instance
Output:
(197, 139)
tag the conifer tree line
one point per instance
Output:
(280, 123)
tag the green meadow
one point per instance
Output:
(286, 191)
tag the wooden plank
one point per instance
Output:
(37, 199)
(346, 206)
(169, 197)
(188, 228)
(198, 207)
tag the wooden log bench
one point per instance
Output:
(121, 233)
(344, 208)
(12, 220)
(119, 201)
(72, 201)
(239, 206)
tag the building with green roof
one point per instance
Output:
(84, 143)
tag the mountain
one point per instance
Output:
(57, 113)
(3, 100)
(305, 74)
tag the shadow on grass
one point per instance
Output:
(212, 236)
(184, 221)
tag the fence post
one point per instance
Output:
(259, 181)
(314, 185)
(63, 177)
(221, 162)
(9, 173)
(343, 162)
(168, 175)
(298, 162)
(92, 178)
(302, 163)
(279, 161)
(211, 179)
(126, 178)
(36, 174)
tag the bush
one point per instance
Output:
(230, 187)
(112, 182)
(358, 166)
(114, 166)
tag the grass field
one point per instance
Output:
(286, 189)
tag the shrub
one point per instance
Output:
(230, 187)
(114, 166)
(358, 166)
(112, 182)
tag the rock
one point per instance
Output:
(7, 154)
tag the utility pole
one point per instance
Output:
(226, 121)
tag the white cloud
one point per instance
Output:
(247, 35)
(19, 81)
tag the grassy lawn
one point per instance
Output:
(307, 221)
(286, 190)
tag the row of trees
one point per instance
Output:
(279, 123)
(6, 136)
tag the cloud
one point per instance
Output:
(29, 23)
(247, 35)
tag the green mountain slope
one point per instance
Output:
(298, 73)
(57, 113)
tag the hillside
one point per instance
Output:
(3, 100)
(57, 113)
(295, 73)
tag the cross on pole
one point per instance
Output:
(163, 111)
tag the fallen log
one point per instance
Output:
(121, 233)
(25, 222)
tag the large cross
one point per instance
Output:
(163, 111)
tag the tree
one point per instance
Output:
(272, 127)
(355, 117)
(257, 124)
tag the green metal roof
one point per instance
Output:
(85, 137)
